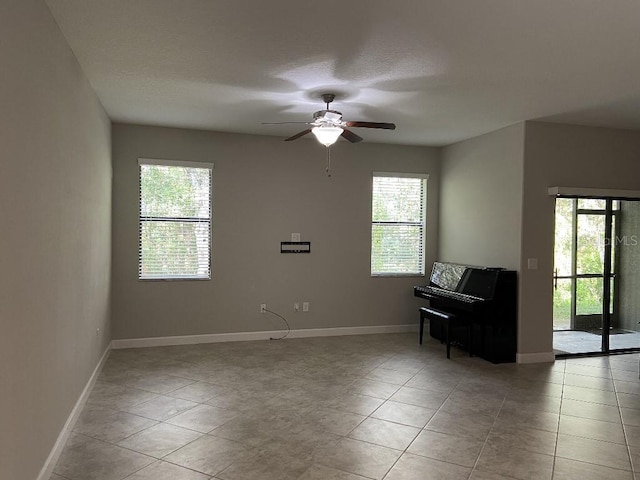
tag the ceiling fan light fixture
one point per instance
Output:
(328, 125)
(327, 135)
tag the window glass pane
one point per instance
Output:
(612, 295)
(564, 236)
(174, 249)
(174, 191)
(589, 296)
(396, 249)
(562, 304)
(615, 241)
(590, 248)
(591, 204)
(397, 199)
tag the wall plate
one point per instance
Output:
(295, 247)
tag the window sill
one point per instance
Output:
(173, 279)
(397, 275)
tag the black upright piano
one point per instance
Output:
(485, 297)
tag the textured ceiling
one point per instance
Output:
(442, 70)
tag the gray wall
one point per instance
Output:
(628, 278)
(481, 199)
(569, 156)
(55, 207)
(263, 190)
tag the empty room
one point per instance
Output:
(319, 240)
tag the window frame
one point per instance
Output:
(424, 177)
(141, 219)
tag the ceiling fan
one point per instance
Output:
(328, 125)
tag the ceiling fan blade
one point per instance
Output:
(386, 126)
(298, 135)
(349, 135)
(284, 123)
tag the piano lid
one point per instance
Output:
(475, 281)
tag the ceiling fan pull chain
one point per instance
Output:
(328, 169)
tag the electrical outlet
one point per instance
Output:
(296, 307)
(295, 237)
(263, 308)
(98, 332)
(305, 306)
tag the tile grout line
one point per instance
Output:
(624, 428)
(424, 428)
(376, 409)
(598, 440)
(407, 447)
(555, 449)
(158, 422)
(486, 440)
(414, 439)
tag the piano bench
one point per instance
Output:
(447, 321)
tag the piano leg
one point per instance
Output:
(448, 340)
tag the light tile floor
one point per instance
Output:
(353, 408)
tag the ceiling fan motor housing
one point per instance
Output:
(328, 98)
(332, 116)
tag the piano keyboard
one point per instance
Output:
(441, 292)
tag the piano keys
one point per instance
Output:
(486, 297)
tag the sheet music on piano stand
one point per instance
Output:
(447, 275)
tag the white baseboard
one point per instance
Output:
(54, 455)
(540, 357)
(265, 335)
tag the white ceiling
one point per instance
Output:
(442, 70)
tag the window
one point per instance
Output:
(175, 220)
(398, 224)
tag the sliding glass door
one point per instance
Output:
(595, 309)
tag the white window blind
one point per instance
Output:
(174, 220)
(398, 224)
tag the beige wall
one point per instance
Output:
(481, 199)
(570, 156)
(263, 190)
(55, 194)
